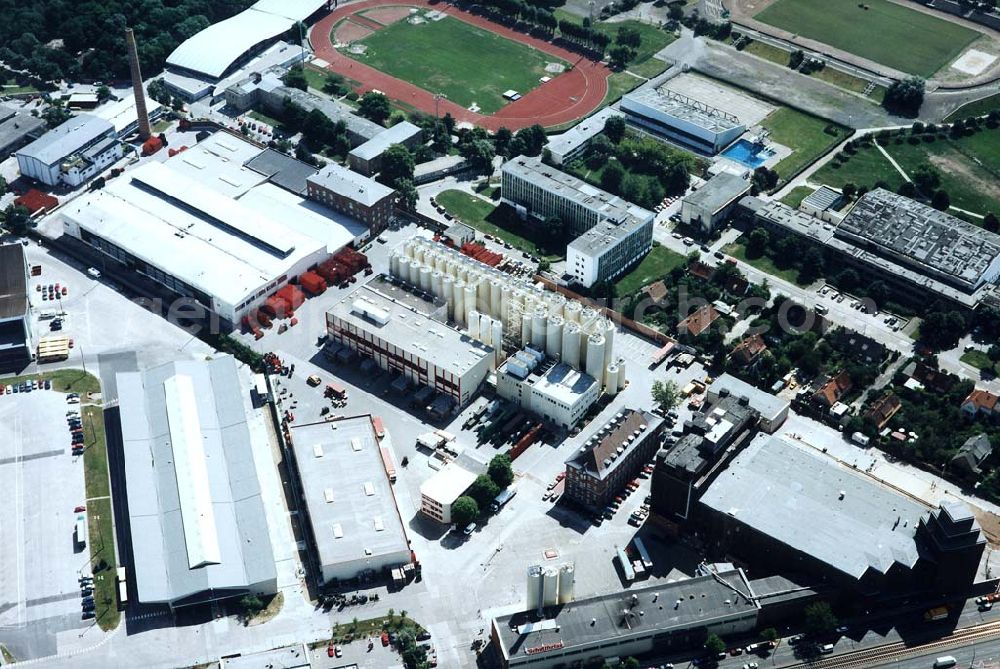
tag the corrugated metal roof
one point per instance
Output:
(66, 139)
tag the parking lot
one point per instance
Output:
(355, 655)
(866, 312)
(41, 483)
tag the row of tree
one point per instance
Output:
(499, 475)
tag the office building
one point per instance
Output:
(196, 520)
(610, 234)
(16, 341)
(682, 119)
(550, 389)
(17, 129)
(570, 144)
(350, 507)
(772, 410)
(367, 158)
(353, 194)
(440, 491)
(403, 333)
(714, 201)
(611, 457)
(71, 153)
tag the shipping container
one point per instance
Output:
(387, 462)
(378, 426)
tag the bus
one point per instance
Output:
(501, 500)
(81, 530)
(640, 548)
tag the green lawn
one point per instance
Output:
(315, 77)
(738, 250)
(491, 220)
(100, 518)
(977, 108)
(883, 31)
(648, 68)
(63, 380)
(807, 136)
(864, 168)
(466, 63)
(980, 360)
(657, 264)
(619, 83)
(797, 194)
(767, 52)
(653, 37)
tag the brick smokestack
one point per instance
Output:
(137, 87)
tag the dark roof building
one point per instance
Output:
(15, 317)
(282, 170)
(972, 454)
(17, 129)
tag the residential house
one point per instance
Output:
(748, 351)
(972, 453)
(701, 270)
(657, 292)
(698, 321)
(830, 391)
(883, 409)
(857, 346)
(981, 403)
(921, 375)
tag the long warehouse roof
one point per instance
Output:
(214, 50)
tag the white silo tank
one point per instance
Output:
(448, 289)
(553, 337)
(436, 279)
(571, 345)
(506, 292)
(550, 586)
(534, 588)
(458, 306)
(483, 295)
(470, 296)
(425, 279)
(609, 341)
(394, 265)
(595, 356)
(410, 248)
(567, 583)
(621, 375)
(495, 300)
(525, 329)
(611, 379)
(538, 327)
(485, 329)
(404, 269)
(473, 320)
(497, 338)
(571, 312)
(418, 254)
(587, 317)
(557, 305)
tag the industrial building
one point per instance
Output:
(17, 129)
(920, 252)
(355, 526)
(367, 158)
(785, 505)
(16, 341)
(71, 153)
(517, 313)
(550, 389)
(353, 194)
(196, 521)
(403, 333)
(610, 234)
(611, 457)
(123, 115)
(682, 119)
(567, 145)
(713, 201)
(440, 491)
(771, 409)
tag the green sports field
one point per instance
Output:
(466, 63)
(893, 35)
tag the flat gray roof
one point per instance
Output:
(339, 464)
(68, 138)
(766, 404)
(350, 184)
(704, 600)
(184, 466)
(15, 127)
(607, 234)
(853, 523)
(397, 134)
(567, 142)
(282, 170)
(680, 106)
(719, 191)
(13, 283)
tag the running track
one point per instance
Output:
(565, 98)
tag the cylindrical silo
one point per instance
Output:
(485, 329)
(534, 588)
(497, 338)
(587, 317)
(505, 301)
(525, 329)
(567, 583)
(394, 265)
(483, 295)
(419, 253)
(609, 341)
(448, 290)
(595, 356)
(611, 379)
(550, 586)
(473, 323)
(404, 269)
(425, 279)
(538, 328)
(621, 375)
(495, 298)
(436, 279)
(458, 308)
(557, 304)
(553, 337)
(571, 345)
(470, 296)
(409, 248)
(571, 312)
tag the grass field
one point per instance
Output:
(767, 52)
(977, 108)
(64, 381)
(807, 136)
(490, 220)
(738, 250)
(887, 33)
(653, 267)
(797, 194)
(980, 360)
(464, 62)
(100, 518)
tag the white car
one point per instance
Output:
(94, 272)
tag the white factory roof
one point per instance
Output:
(66, 139)
(565, 384)
(448, 483)
(377, 145)
(121, 113)
(305, 217)
(201, 237)
(218, 163)
(214, 50)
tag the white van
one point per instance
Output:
(945, 662)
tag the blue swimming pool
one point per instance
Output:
(749, 154)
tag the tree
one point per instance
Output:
(630, 663)
(879, 291)
(251, 606)
(464, 511)
(17, 218)
(848, 279)
(905, 97)
(397, 163)
(406, 193)
(3, 186)
(103, 93)
(926, 179)
(620, 56)
(532, 139)
(629, 36)
(819, 619)
(335, 84)
(374, 106)
(757, 242)
(614, 128)
(666, 395)
(501, 141)
(612, 176)
(991, 223)
(483, 490)
(715, 645)
(676, 12)
(501, 471)
(941, 201)
(795, 59)
(56, 115)
(296, 78)
(480, 153)
(769, 634)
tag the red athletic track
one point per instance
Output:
(565, 98)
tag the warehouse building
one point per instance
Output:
(772, 410)
(196, 520)
(123, 116)
(682, 119)
(17, 129)
(714, 201)
(16, 342)
(355, 526)
(860, 536)
(440, 491)
(353, 194)
(367, 158)
(611, 457)
(610, 234)
(403, 333)
(71, 153)
(550, 389)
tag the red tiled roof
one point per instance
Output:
(749, 348)
(701, 270)
(883, 409)
(981, 400)
(656, 291)
(699, 321)
(835, 388)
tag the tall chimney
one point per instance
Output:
(137, 89)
